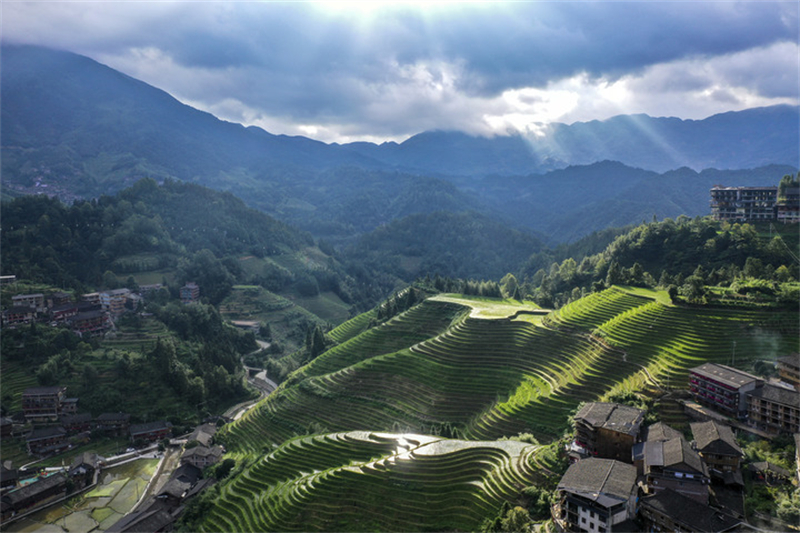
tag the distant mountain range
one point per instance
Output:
(76, 128)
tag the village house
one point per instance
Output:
(607, 430)
(39, 492)
(6, 426)
(91, 298)
(113, 424)
(47, 440)
(673, 464)
(722, 388)
(658, 432)
(83, 468)
(774, 409)
(114, 301)
(670, 511)
(34, 301)
(151, 431)
(63, 312)
(596, 495)
(18, 316)
(9, 476)
(43, 404)
(717, 446)
(90, 323)
(769, 473)
(59, 298)
(77, 423)
(202, 456)
(190, 293)
(203, 434)
(789, 369)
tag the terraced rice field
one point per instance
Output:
(441, 368)
(374, 482)
(474, 370)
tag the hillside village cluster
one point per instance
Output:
(626, 476)
(92, 315)
(51, 423)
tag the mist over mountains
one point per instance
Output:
(75, 128)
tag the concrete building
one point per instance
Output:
(190, 293)
(743, 203)
(789, 369)
(43, 404)
(34, 301)
(721, 387)
(774, 409)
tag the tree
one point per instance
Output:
(516, 520)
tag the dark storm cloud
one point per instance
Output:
(390, 68)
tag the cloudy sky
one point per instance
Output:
(346, 71)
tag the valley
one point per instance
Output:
(405, 336)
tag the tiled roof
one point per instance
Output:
(594, 477)
(693, 515)
(613, 416)
(39, 391)
(46, 433)
(716, 438)
(660, 432)
(149, 426)
(673, 454)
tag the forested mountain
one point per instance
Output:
(746, 139)
(76, 129)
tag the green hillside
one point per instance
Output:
(458, 367)
(497, 372)
(362, 481)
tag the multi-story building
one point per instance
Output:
(722, 387)
(91, 297)
(190, 293)
(43, 404)
(113, 423)
(47, 440)
(90, 323)
(743, 203)
(788, 207)
(77, 423)
(608, 430)
(34, 301)
(18, 315)
(114, 301)
(596, 495)
(151, 431)
(774, 409)
(717, 446)
(789, 369)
